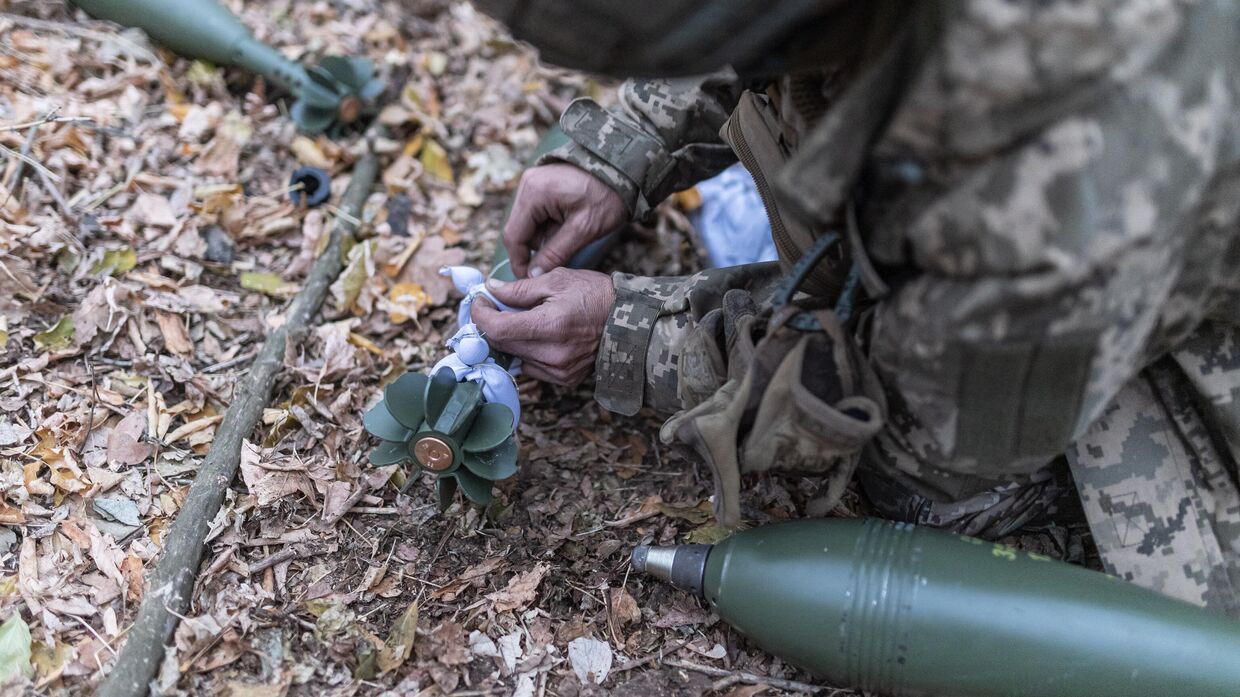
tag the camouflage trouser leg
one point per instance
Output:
(1158, 478)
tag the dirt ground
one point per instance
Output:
(147, 247)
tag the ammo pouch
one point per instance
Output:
(791, 400)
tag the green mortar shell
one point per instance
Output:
(201, 29)
(205, 30)
(901, 610)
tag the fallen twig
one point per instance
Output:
(736, 676)
(172, 581)
(647, 660)
(223, 365)
(287, 554)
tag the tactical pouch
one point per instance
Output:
(793, 400)
(756, 135)
(720, 347)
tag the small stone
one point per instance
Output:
(220, 246)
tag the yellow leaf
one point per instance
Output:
(49, 662)
(688, 200)
(406, 301)
(414, 146)
(179, 110)
(69, 479)
(359, 267)
(217, 198)
(58, 337)
(116, 262)
(4, 332)
(435, 160)
(201, 72)
(399, 643)
(309, 153)
(362, 342)
(708, 535)
(268, 283)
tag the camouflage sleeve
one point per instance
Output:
(662, 137)
(640, 351)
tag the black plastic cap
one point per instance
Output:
(315, 186)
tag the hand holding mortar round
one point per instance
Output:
(446, 428)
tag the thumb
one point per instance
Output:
(523, 293)
(500, 328)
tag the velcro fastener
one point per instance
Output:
(621, 144)
(620, 369)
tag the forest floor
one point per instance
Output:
(148, 246)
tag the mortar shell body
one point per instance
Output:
(197, 28)
(901, 610)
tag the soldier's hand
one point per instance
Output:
(558, 336)
(558, 210)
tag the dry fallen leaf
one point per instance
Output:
(399, 644)
(309, 153)
(435, 161)
(423, 269)
(175, 337)
(590, 658)
(623, 607)
(521, 589)
(153, 209)
(267, 483)
(125, 445)
(405, 301)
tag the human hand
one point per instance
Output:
(558, 210)
(557, 338)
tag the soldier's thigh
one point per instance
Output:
(1158, 485)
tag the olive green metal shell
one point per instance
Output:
(336, 91)
(901, 610)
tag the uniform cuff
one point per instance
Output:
(640, 158)
(573, 154)
(620, 369)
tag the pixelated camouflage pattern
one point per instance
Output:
(1056, 206)
(630, 147)
(621, 363)
(640, 350)
(1158, 478)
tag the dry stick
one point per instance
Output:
(751, 678)
(172, 582)
(289, 553)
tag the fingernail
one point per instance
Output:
(495, 283)
(535, 271)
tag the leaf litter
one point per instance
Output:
(148, 247)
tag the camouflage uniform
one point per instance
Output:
(1049, 239)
